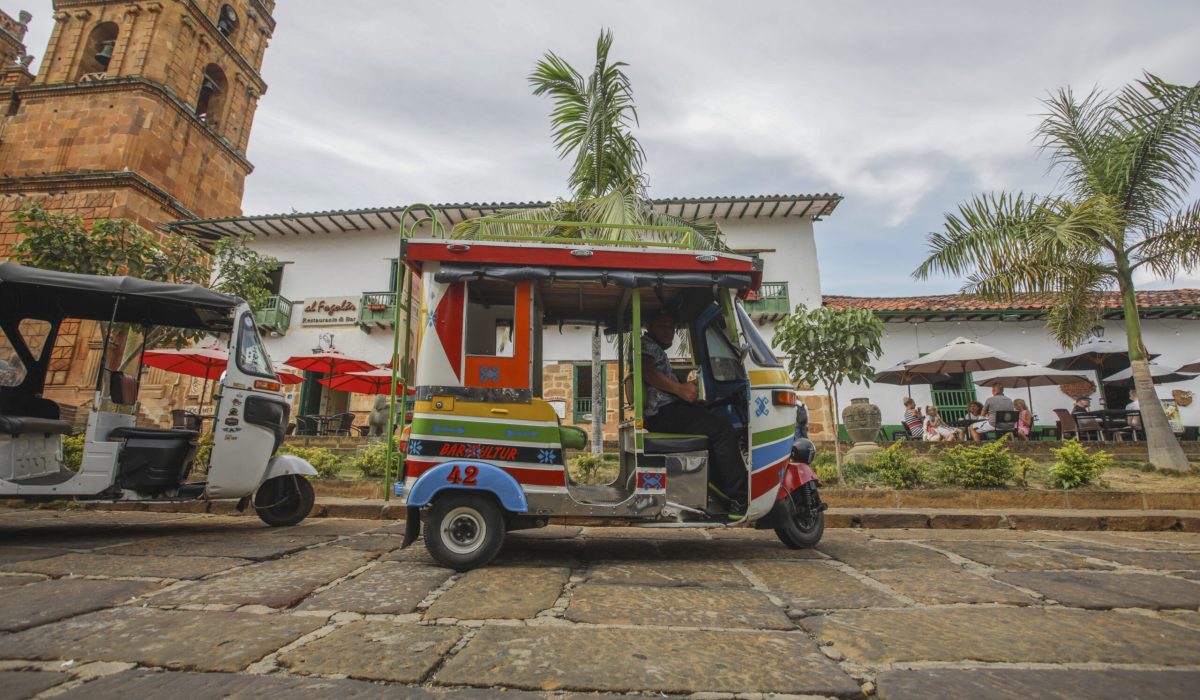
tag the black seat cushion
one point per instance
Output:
(667, 443)
(154, 434)
(29, 425)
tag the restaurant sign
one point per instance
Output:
(330, 311)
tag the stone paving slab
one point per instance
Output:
(85, 564)
(813, 585)
(1051, 684)
(1164, 561)
(968, 535)
(12, 555)
(1018, 556)
(550, 532)
(549, 658)
(244, 545)
(382, 651)
(874, 554)
(947, 587)
(39, 603)
(668, 573)
(19, 685)
(235, 686)
(693, 607)
(392, 588)
(1100, 590)
(176, 639)
(371, 543)
(278, 584)
(1031, 634)
(10, 580)
(514, 592)
(708, 550)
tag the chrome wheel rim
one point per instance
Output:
(463, 530)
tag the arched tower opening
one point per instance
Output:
(227, 20)
(98, 51)
(213, 88)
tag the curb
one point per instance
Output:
(1130, 520)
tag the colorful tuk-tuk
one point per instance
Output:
(122, 461)
(486, 453)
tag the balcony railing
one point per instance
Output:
(583, 409)
(275, 315)
(769, 303)
(376, 310)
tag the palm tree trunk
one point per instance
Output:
(1164, 451)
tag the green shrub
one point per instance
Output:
(72, 448)
(988, 465)
(327, 462)
(371, 460)
(203, 453)
(894, 466)
(825, 465)
(1074, 466)
(585, 467)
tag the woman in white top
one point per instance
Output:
(936, 430)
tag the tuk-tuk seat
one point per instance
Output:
(669, 443)
(154, 460)
(17, 426)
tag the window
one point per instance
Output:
(227, 21)
(212, 94)
(98, 51)
(252, 356)
(759, 350)
(275, 278)
(581, 390)
(489, 322)
(723, 360)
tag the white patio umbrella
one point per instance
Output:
(900, 374)
(963, 355)
(1158, 374)
(1029, 375)
(1102, 356)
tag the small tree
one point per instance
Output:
(830, 347)
(55, 241)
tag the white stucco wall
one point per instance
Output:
(1177, 340)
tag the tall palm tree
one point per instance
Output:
(591, 124)
(1125, 159)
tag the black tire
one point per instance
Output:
(464, 530)
(284, 500)
(802, 521)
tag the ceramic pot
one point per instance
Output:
(862, 420)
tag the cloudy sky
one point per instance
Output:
(904, 108)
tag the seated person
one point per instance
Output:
(974, 414)
(1083, 404)
(671, 407)
(1024, 419)
(996, 402)
(936, 430)
(1133, 404)
(914, 422)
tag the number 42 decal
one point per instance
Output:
(466, 477)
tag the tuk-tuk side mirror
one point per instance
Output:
(743, 350)
(122, 389)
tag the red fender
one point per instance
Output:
(795, 475)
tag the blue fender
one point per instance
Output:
(488, 478)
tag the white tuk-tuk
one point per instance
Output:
(123, 462)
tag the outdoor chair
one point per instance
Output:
(306, 425)
(1191, 433)
(1006, 422)
(1069, 427)
(341, 424)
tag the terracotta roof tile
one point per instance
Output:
(962, 302)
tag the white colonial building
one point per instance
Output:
(335, 284)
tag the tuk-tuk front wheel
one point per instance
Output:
(284, 500)
(802, 520)
(464, 530)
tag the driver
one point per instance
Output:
(670, 407)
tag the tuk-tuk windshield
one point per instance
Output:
(759, 350)
(252, 356)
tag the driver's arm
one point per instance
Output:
(687, 391)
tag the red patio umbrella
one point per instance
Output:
(331, 362)
(207, 362)
(289, 378)
(375, 381)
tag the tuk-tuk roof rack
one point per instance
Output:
(687, 237)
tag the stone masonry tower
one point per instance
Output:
(140, 110)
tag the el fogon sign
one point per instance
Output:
(330, 311)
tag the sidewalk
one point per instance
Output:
(1008, 518)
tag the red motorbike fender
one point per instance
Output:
(795, 475)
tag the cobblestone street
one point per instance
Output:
(128, 604)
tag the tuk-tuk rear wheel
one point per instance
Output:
(284, 500)
(464, 530)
